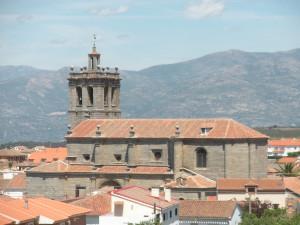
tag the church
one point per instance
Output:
(108, 150)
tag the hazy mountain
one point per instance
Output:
(259, 89)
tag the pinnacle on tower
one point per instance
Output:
(94, 43)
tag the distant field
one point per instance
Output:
(280, 132)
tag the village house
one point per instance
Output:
(99, 206)
(16, 187)
(131, 204)
(209, 212)
(282, 147)
(193, 187)
(266, 190)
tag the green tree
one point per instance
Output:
(288, 170)
(270, 217)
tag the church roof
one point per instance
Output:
(164, 128)
(63, 167)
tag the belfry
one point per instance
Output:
(94, 91)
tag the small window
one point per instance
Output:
(205, 130)
(86, 156)
(157, 153)
(43, 159)
(55, 159)
(201, 157)
(176, 211)
(170, 214)
(164, 217)
(251, 189)
(118, 157)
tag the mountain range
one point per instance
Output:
(258, 89)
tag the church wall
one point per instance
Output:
(258, 159)
(237, 160)
(215, 157)
(133, 152)
(62, 186)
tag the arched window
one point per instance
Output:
(91, 95)
(79, 95)
(201, 157)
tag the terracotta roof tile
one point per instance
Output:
(287, 159)
(98, 204)
(206, 209)
(17, 182)
(49, 154)
(142, 195)
(197, 181)
(164, 128)
(292, 184)
(54, 210)
(263, 184)
(5, 220)
(287, 142)
(61, 167)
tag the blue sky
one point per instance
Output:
(134, 34)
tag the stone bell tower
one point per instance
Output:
(94, 91)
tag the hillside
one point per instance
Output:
(259, 89)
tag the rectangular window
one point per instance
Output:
(170, 214)
(176, 211)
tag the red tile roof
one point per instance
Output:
(54, 210)
(143, 195)
(206, 209)
(49, 155)
(17, 182)
(164, 128)
(197, 181)
(5, 220)
(263, 184)
(287, 159)
(284, 142)
(135, 170)
(98, 204)
(62, 167)
(292, 184)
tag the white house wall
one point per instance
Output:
(274, 198)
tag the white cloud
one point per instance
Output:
(24, 18)
(204, 8)
(109, 11)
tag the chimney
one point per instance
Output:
(98, 131)
(155, 191)
(177, 131)
(26, 205)
(131, 131)
(168, 194)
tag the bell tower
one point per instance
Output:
(94, 91)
